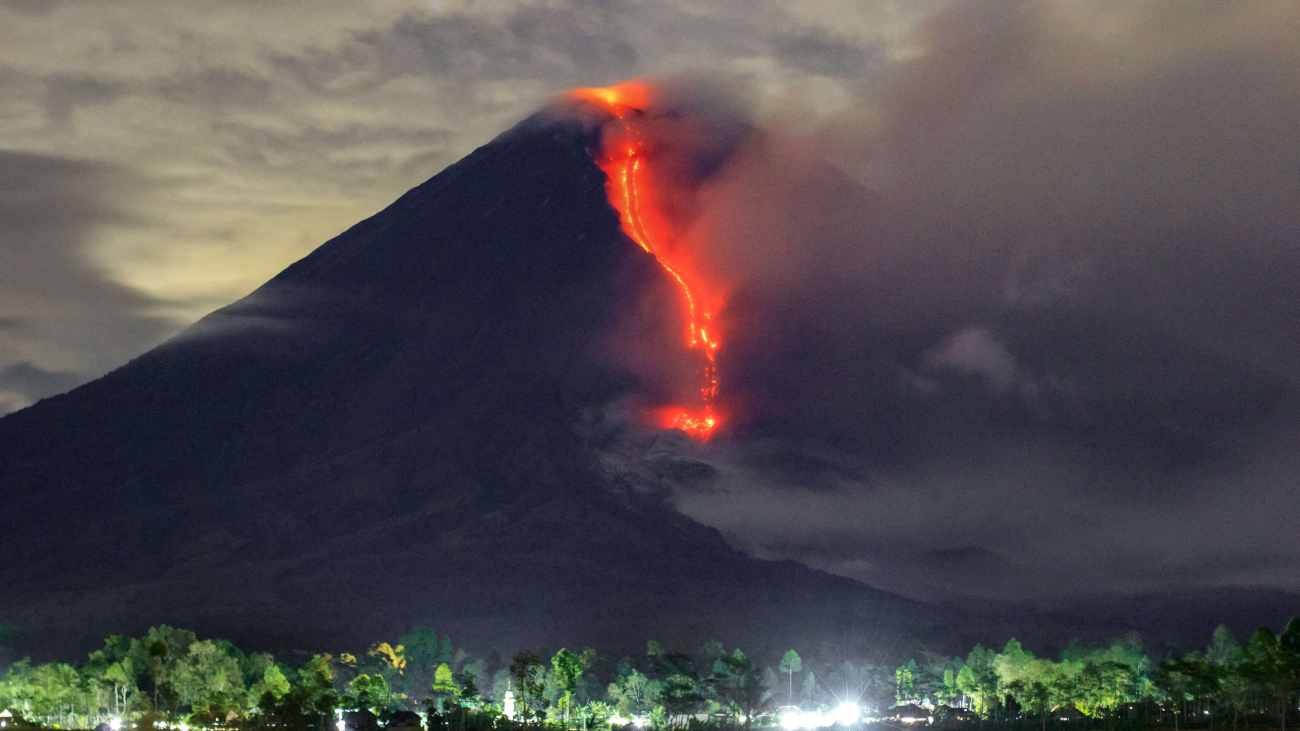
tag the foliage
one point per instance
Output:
(568, 669)
(171, 676)
(791, 663)
(742, 690)
(530, 700)
(634, 695)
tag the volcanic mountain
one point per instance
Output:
(389, 433)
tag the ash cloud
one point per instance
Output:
(1023, 323)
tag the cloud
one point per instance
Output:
(63, 321)
(818, 51)
(64, 95)
(276, 127)
(976, 350)
(34, 382)
(30, 7)
(23, 384)
(1018, 519)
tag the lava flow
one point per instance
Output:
(625, 161)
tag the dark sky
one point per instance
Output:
(1014, 306)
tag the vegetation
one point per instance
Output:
(170, 677)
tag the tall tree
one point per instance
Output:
(1174, 679)
(634, 695)
(904, 676)
(568, 668)
(307, 705)
(421, 646)
(1038, 699)
(966, 681)
(444, 682)
(1265, 664)
(271, 683)
(742, 688)
(984, 681)
(682, 694)
(446, 653)
(1223, 650)
(208, 679)
(1288, 661)
(390, 657)
(809, 685)
(158, 654)
(947, 688)
(791, 664)
(118, 679)
(529, 673)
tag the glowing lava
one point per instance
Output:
(625, 162)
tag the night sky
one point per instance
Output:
(1014, 307)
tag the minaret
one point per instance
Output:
(508, 703)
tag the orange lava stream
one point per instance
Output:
(624, 167)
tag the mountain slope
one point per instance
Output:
(384, 435)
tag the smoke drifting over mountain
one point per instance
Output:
(1024, 325)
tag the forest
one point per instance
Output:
(170, 678)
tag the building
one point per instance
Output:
(911, 713)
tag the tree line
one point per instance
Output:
(171, 677)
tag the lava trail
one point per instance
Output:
(625, 161)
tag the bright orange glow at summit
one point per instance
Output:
(625, 162)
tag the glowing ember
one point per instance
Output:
(624, 161)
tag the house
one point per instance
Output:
(911, 713)
(362, 720)
(1068, 713)
(948, 716)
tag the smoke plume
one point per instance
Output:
(1024, 323)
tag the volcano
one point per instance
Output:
(390, 433)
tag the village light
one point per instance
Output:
(847, 714)
(794, 719)
(115, 724)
